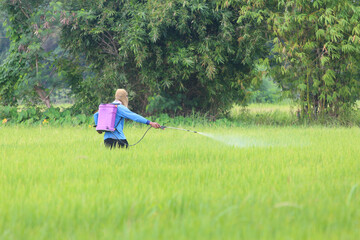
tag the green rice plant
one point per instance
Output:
(237, 183)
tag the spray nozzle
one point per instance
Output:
(162, 127)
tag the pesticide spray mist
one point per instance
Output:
(255, 141)
(239, 141)
(236, 141)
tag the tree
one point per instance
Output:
(184, 52)
(33, 67)
(314, 49)
(316, 52)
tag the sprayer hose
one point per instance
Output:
(141, 137)
(162, 127)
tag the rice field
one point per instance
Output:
(230, 183)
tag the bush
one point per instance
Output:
(243, 117)
(52, 116)
(8, 112)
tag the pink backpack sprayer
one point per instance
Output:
(106, 118)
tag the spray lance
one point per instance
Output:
(163, 127)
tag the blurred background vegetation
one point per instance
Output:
(183, 58)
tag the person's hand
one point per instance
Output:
(155, 125)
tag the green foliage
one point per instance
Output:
(267, 92)
(316, 54)
(167, 49)
(272, 115)
(8, 112)
(10, 73)
(315, 49)
(4, 41)
(36, 65)
(177, 57)
(51, 116)
(63, 97)
(165, 103)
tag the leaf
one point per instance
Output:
(320, 33)
(188, 62)
(324, 60)
(329, 77)
(302, 86)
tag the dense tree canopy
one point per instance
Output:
(172, 55)
(316, 52)
(34, 66)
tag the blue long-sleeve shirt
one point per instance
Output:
(122, 113)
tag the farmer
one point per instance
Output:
(117, 137)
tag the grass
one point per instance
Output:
(286, 114)
(263, 108)
(286, 183)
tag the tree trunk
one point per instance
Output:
(308, 95)
(40, 90)
(42, 94)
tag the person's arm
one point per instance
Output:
(126, 113)
(96, 117)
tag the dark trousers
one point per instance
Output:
(110, 143)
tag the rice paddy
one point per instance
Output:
(231, 183)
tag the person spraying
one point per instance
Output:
(115, 137)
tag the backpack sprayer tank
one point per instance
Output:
(106, 118)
